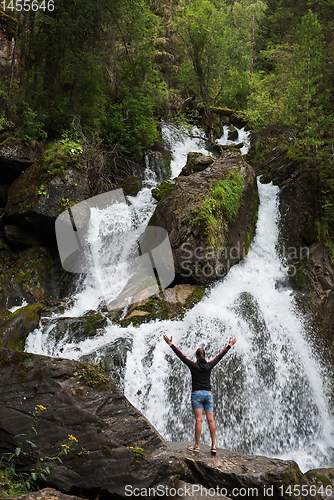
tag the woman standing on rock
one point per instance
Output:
(201, 396)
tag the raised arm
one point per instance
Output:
(222, 353)
(178, 353)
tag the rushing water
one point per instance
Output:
(268, 390)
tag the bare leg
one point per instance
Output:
(198, 425)
(212, 427)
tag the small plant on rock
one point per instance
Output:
(14, 482)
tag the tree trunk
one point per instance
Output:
(12, 66)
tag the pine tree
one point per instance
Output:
(305, 94)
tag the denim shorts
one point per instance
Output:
(202, 399)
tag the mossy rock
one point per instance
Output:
(233, 134)
(311, 232)
(35, 197)
(93, 376)
(75, 330)
(15, 328)
(196, 162)
(172, 303)
(16, 156)
(214, 209)
(159, 192)
(26, 275)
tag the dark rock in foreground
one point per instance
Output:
(116, 452)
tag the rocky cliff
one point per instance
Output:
(112, 450)
(311, 272)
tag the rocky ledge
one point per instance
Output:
(113, 451)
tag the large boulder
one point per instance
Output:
(14, 327)
(196, 162)
(48, 187)
(116, 445)
(210, 217)
(113, 451)
(15, 157)
(170, 303)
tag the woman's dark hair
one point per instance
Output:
(200, 353)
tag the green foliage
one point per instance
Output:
(288, 105)
(82, 452)
(14, 482)
(305, 94)
(30, 125)
(64, 204)
(130, 125)
(138, 450)
(61, 155)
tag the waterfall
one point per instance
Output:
(269, 395)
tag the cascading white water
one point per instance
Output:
(268, 390)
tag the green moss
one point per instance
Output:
(159, 192)
(26, 191)
(222, 111)
(221, 205)
(311, 231)
(325, 481)
(138, 450)
(297, 277)
(195, 297)
(17, 344)
(94, 377)
(156, 309)
(22, 372)
(5, 361)
(7, 25)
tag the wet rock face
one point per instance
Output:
(170, 303)
(131, 185)
(311, 273)
(210, 217)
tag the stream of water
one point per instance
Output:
(268, 390)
